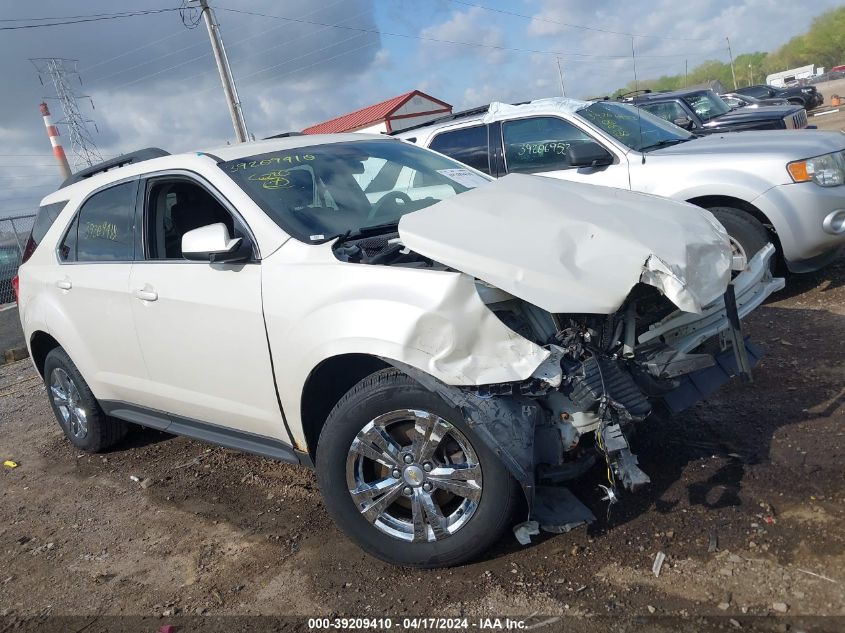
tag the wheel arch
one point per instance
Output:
(326, 385)
(706, 202)
(41, 344)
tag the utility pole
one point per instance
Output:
(751, 73)
(226, 78)
(686, 72)
(560, 74)
(83, 149)
(731, 55)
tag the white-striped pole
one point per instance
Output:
(53, 133)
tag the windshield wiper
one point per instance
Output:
(664, 143)
(362, 231)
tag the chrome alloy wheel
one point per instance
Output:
(739, 258)
(65, 396)
(414, 476)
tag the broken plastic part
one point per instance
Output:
(621, 460)
(525, 530)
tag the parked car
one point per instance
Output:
(9, 259)
(777, 186)
(704, 112)
(808, 97)
(736, 100)
(436, 349)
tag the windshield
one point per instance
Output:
(319, 192)
(639, 130)
(707, 105)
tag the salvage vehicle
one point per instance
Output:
(775, 186)
(704, 112)
(808, 97)
(436, 350)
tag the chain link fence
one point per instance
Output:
(14, 232)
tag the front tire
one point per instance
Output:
(406, 478)
(76, 409)
(745, 230)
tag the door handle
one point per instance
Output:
(64, 284)
(146, 294)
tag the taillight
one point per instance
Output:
(29, 249)
(16, 286)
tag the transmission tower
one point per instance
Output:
(59, 71)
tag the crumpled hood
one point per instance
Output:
(574, 248)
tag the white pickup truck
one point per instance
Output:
(767, 186)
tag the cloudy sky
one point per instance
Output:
(153, 81)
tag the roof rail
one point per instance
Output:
(445, 117)
(112, 163)
(283, 135)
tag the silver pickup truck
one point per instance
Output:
(770, 186)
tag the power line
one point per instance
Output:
(208, 71)
(92, 18)
(440, 40)
(579, 26)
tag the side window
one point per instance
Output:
(539, 143)
(67, 250)
(669, 110)
(44, 220)
(175, 206)
(467, 145)
(732, 101)
(105, 226)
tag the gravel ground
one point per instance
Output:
(747, 503)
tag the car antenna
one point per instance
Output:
(637, 89)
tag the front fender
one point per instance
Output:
(433, 321)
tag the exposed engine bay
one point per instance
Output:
(604, 374)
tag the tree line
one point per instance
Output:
(823, 45)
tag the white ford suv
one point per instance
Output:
(434, 341)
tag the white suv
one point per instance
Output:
(433, 340)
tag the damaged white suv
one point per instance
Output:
(437, 343)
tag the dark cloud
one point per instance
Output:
(154, 82)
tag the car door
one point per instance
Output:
(539, 144)
(201, 325)
(91, 288)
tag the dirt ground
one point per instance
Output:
(747, 503)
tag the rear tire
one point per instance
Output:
(386, 426)
(747, 230)
(75, 407)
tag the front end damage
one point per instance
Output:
(604, 374)
(631, 299)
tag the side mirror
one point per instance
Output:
(213, 244)
(588, 154)
(684, 122)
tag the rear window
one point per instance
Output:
(468, 145)
(44, 220)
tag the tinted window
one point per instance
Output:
(106, 225)
(174, 207)
(670, 110)
(67, 250)
(760, 92)
(44, 220)
(539, 143)
(468, 145)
